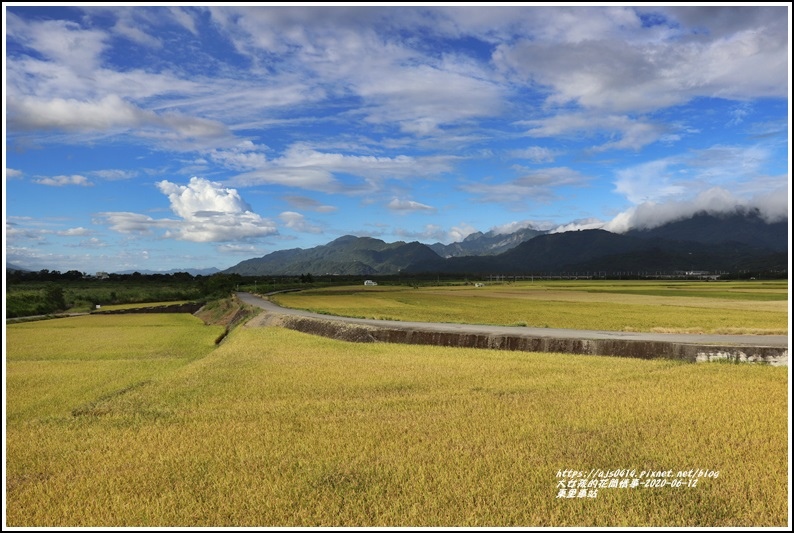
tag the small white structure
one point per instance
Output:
(369, 282)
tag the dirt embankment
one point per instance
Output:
(229, 312)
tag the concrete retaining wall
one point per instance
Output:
(612, 347)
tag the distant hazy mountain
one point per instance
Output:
(192, 271)
(490, 243)
(346, 255)
(10, 266)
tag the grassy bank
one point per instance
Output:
(278, 428)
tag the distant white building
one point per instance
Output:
(369, 282)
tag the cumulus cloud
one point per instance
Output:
(60, 181)
(211, 213)
(207, 212)
(13, 173)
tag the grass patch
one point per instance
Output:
(279, 428)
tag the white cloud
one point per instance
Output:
(536, 154)
(244, 156)
(184, 18)
(421, 99)
(132, 223)
(107, 113)
(654, 181)
(207, 212)
(714, 201)
(296, 221)
(534, 184)
(16, 232)
(406, 206)
(311, 204)
(683, 177)
(580, 224)
(60, 181)
(613, 74)
(460, 232)
(114, 174)
(430, 232)
(13, 173)
(240, 249)
(211, 213)
(60, 41)
(512, 227)
(74, 232)
(634, 132)
(304, 167)
(93, 242)
(128, 29)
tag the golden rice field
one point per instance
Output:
(118, 307)
(759, 308)
(108, 427)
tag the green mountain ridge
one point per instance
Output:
(729, 242)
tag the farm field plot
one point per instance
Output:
(679, 307)
(280, 428)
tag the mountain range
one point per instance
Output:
(739, 241)
(491, 243)
(192, 271)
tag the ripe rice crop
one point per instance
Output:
(279, 428)
(606, 306)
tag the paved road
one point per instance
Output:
(727, 340)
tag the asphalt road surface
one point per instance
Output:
(679, 338)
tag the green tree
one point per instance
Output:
(54, 298)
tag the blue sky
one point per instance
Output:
(154, 138)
